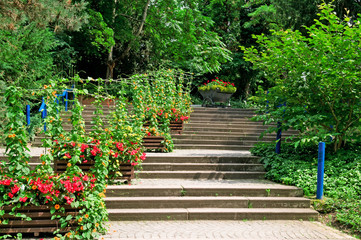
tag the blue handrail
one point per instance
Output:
(42, 109)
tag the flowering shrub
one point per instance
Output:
(19, 186)
(219, 85)
(160, 97)
(53, 189)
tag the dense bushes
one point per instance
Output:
(342, 179)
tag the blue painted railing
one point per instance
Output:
(42, 109)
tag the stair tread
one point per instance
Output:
(213, 210)
(204, 164)
(204, 198)
(186, 171)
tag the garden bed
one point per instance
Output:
(41, 220)
(126, 169)
(154, 143)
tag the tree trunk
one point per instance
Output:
(110, 60)
(110, 64)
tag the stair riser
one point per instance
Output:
(201, 168)
(213, 142)
(226, 130)
(179, 203)
(154, 159)
(227, 125)
(200, 175)
(212, 147)
(233, 134)
(220, 116)
(177, 192)
(210, 216)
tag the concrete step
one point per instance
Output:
(225, 129)
(234, 133)
(192, 124)
(214, 142)
(223, 137)
(240, 188)
(231, 110)
(218, 147)
(220, 116)
(201, 119)
(212, 214)
(200, 159)
(206, 202)
(202, 167)
(202, 174)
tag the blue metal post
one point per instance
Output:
(321, 168)
(278, 139)
(43, 112)
(66, 101)
(28, 115)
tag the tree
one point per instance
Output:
(28, 37)
(316, 78)
(148, 34)
(229, 19)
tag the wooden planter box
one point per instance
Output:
(154, 143)
(175, 126)
(41, 220)
(90, 100)
(126, 169)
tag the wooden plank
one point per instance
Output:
(36, 208)
(34, 223)
(34, 230)
(39, 215)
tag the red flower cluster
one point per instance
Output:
(95, 151)
(14, 190)
(73, 185)
(23, 199)
(120, 146)
(6, 182)
(43, 186)
(84, 147)
(220, 82)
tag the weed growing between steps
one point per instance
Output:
(342, 179)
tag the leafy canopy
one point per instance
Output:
(317, 76)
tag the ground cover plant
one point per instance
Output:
(342, 179)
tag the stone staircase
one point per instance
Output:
(210, 176)
(223, 129)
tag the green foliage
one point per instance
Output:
(147, 35)
(316, 76)
(160, 97)
(185, 38)
(298, 167)
(28, 41)
(26, 55)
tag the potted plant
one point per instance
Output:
(216, 90)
